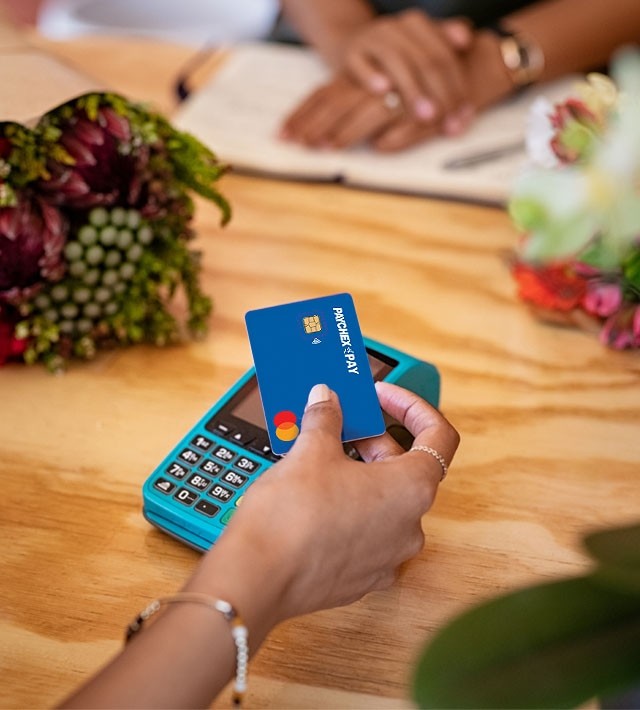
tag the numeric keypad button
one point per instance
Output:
(177, 471)
(211, 467)
(221, 493)
(186, 497)
(234, 478)
(191, 457)
(198, 481)
(224, 454)
(246, 465)
(207, 508)
(201, 442)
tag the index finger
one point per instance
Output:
(428, 427)
(404, 133)
(425, 422)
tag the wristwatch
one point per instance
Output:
(523, 58)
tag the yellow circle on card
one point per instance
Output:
(287, 432)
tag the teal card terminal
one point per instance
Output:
(199, 485)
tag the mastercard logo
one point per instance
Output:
(286, 427)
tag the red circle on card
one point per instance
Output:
(284, 417)
(286, 425)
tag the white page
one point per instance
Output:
(239, 112)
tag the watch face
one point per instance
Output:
(522, 58)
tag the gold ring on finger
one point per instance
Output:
(436, 455)
(392, 101)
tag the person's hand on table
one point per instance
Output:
(339, 114)
(402, 80)
(317, 530)
(420, 59)
(335, 528)
(342, 114)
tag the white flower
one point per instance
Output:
(600, 196)
(539, 134)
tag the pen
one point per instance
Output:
(484, 156)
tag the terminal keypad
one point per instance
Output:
(210, 471)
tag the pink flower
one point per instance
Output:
(619, 331)
(587, 271)
(32, 237)
(602, 298)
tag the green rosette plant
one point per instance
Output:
(95, 230)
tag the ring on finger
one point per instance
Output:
(436, 455)
(392, 101)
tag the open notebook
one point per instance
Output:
(239, 112)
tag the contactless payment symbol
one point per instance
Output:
(286, 427)
(311, 324)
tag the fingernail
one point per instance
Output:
(424, 109)
(459, 34)
(318, 393)
(379, 83)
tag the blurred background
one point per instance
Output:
(191, 22)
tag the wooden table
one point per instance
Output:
(549, 423)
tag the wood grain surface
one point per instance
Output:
(549, 423)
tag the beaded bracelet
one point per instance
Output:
(239, 631)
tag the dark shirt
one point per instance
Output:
(480, 12)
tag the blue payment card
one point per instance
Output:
(298, 345)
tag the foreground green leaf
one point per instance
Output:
(618, 555)
(555, 645)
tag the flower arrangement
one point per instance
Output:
(579, 206)
(95, 213)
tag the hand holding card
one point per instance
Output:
(298, 345)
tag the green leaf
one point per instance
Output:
(527, 213)
(554, 645)
(618, 554)
(197, 168)
(601, 255)
(562, 238)
(578, 138)
(631, 273)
